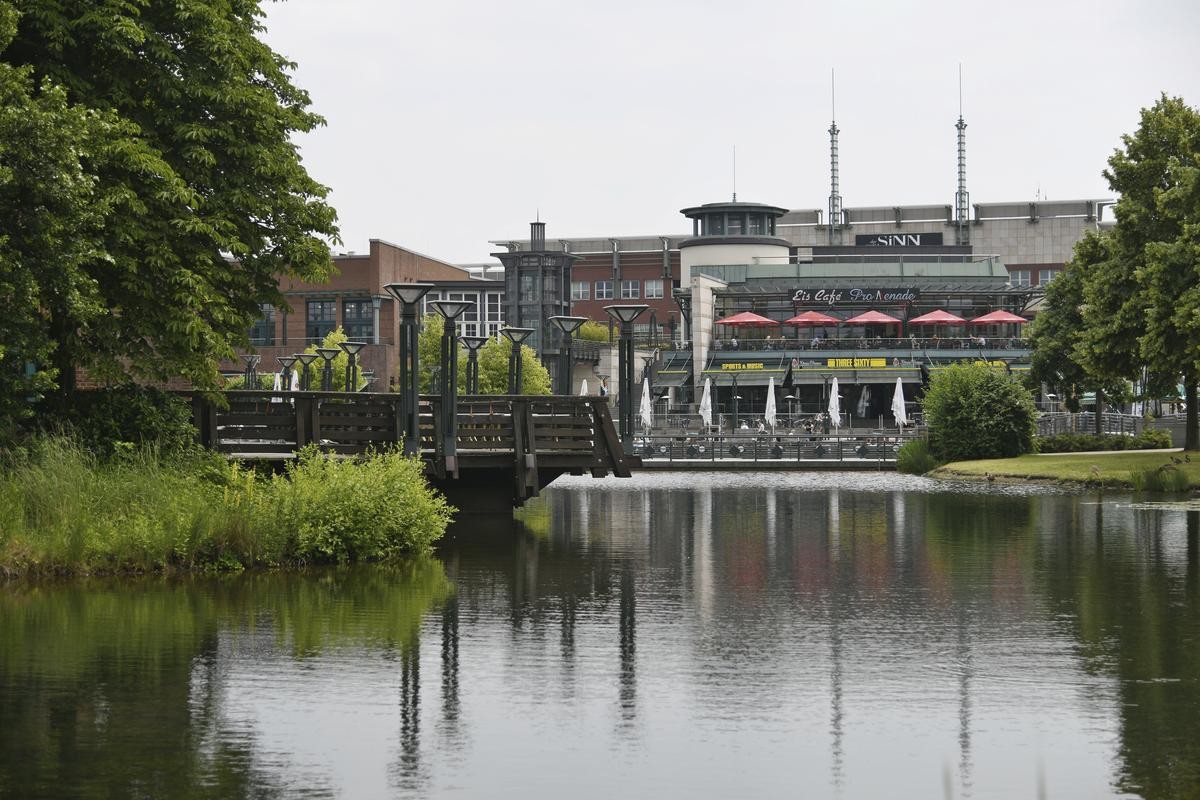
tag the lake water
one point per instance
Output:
(701, 635)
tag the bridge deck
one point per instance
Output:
(510, 445)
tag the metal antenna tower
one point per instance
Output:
(962, 200)
(735, 173)
(835, 199)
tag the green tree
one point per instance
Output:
(1142, 302)
(976, 411)
(493, 363)
(331, 341)
(592, 331)
(182, 194)
(1060, 355)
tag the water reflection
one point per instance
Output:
(703, 636)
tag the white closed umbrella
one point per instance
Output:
(706, 404)
(770, 413)
(583, 388)
(864, 402)
(646, 412)
(898, 405)
(835, 405)
(296, 379)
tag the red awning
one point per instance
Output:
(812, 318)
(938, 317)
(747, 319)
(872, 318)
(999, 318)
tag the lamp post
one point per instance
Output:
(625, 314)
(250, 376)
(736, 397)
(450, 310)
(407, 296)
(473, 343)
(516, 336)
(352, 349)
(305, 360)
(825, 401)
(329, 354)
(568, 326)
(285, 379)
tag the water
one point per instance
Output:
(726, 635)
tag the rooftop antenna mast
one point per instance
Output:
(962, 200)
(735, 173)
(835, 199)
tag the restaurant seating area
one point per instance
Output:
(871, 343)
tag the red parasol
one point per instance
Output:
(747, 319)
(872, 318)
(938, 317)
(999, 318)
(812, 318)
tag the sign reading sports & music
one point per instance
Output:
(836, 296)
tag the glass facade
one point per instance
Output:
(358, 320)
(263, 330)
(321, 319)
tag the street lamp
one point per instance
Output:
(305, 360)
(285, 380)
(407, 296)
(250, 376)
(329, 354)
(473, 343)
(568, 326)
(626, 314)
(516, 336)
(450, 310)
(352, 350)
(825, 401)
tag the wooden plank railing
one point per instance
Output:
(523, 434)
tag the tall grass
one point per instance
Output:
(914, 458)
(64, 511)
(1166, 478)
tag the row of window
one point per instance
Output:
(320, 319)
(1023, 277)
(630, 290)
(485, 318)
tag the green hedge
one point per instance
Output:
(976, 411)
(914, 458)
(1149, 439)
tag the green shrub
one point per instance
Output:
(108, 421)
(1148, 439)
(592, 331)
(65, 510)
(914, 458)
(1167, 478)
(976, 411)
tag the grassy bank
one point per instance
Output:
(1109, 469)
(63, 511)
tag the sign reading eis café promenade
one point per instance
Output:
(856, 296)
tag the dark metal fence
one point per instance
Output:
(878, 446)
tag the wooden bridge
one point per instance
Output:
(508, 447)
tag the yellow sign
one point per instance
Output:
(856, 363)
(742, 365)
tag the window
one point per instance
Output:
(580, 290)
(263, 330)
(1046, 275)
(358, 320)
(495, 315)
(630, 290)
(654, 289)
(604, 290)
(735, 225)
(1019, 277)
(528, 290)
(322, 319)
(756, 226)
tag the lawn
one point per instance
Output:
(1108, 468)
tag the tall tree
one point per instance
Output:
(1155, 247)
(206, 199)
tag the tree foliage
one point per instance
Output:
(332, 341)
(975, 411)
(150, 190)
(493, 363)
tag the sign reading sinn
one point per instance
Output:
(898, 239)
(834, 297)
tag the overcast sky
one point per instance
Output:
(453, 122)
